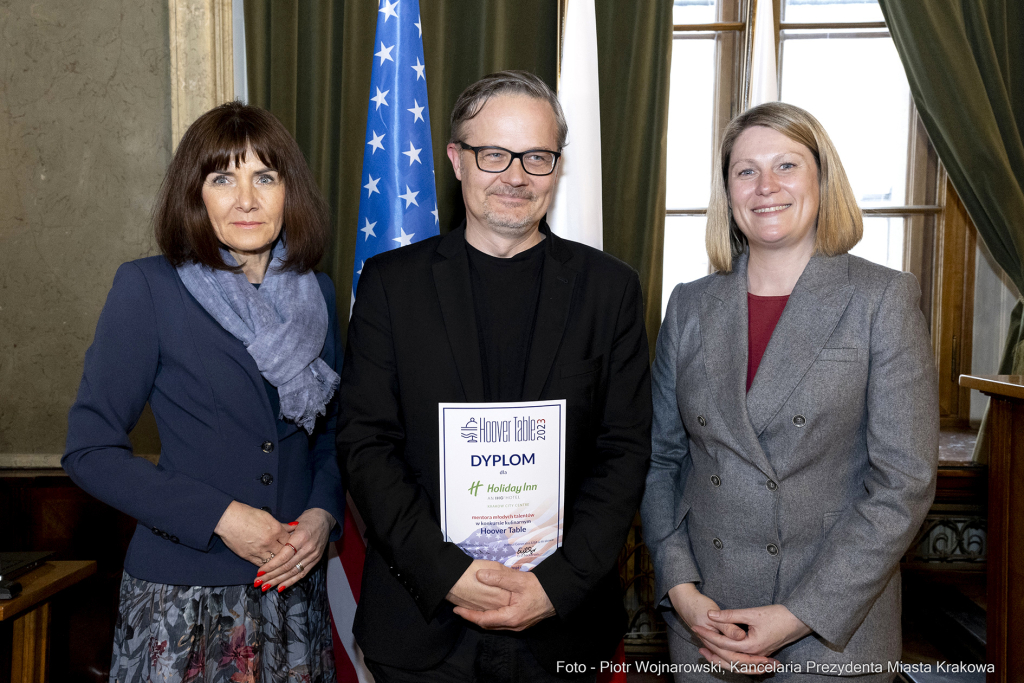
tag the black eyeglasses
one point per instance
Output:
(498, 159)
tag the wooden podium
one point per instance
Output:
(31, 614)
(1005, 628)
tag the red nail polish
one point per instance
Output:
(256, 583)
(293, 523)
(266, 588)
(280, 589)
(260, 573)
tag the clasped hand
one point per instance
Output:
(285, 553)
(769, 628)
(492, 596)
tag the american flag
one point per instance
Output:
(397, 206)
(398, 202)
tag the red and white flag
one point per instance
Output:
(344, 572)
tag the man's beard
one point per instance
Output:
(507, 224)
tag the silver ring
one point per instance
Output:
(271, 556)
(298, 565)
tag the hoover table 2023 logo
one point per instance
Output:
(519, 429)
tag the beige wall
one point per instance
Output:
(85, 137)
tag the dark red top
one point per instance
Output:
(763, 313)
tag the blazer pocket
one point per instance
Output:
(682, 508)
(583, 367)
(842, 355)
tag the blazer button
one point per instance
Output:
(799, 420)
(266, 508)
(701, 420)
(267, 479)
(156, 532)
(174, 539)
(771, 485)
(773, 549)
(268, 447)
(717, 543)
(715, 480)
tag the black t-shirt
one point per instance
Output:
(505, 294)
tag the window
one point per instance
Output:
(836, 59)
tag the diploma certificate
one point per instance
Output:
(503, 479)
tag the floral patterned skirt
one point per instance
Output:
(221, 634)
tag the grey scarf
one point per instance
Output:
(283, 325)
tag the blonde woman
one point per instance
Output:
(795, 433)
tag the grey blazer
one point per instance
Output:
(807, 490)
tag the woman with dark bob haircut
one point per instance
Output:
(233, 341)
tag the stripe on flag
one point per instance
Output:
(344, 572)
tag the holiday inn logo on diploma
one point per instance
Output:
(502, 468)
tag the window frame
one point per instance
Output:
(939, 238)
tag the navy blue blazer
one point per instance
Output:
(219, 434)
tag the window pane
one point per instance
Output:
(831, 10)
(686, 257)
(882, 242)
(693, 11)
(857, 88)
(690, 111)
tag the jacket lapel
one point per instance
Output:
(455, 294)
(814, 308)
(556, 287)
(209, 336)
(723, 324)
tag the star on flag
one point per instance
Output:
(368, 228)
(418, 68)
(371, 186)
(388, 10)
(379, 99)
(409, 197)
(413, 154)
(417, 111)
(376, 141)
(403, 240)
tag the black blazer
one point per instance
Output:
(413, 344)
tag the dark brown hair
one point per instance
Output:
(215, 140)
(511, 82)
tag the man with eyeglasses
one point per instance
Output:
(498, 310)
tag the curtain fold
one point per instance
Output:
(634, 53)
(310, 60)
(965, 65)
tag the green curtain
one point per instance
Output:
(309, 62)
(965, 65)
(634, 53)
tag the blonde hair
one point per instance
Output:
(840, 225)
